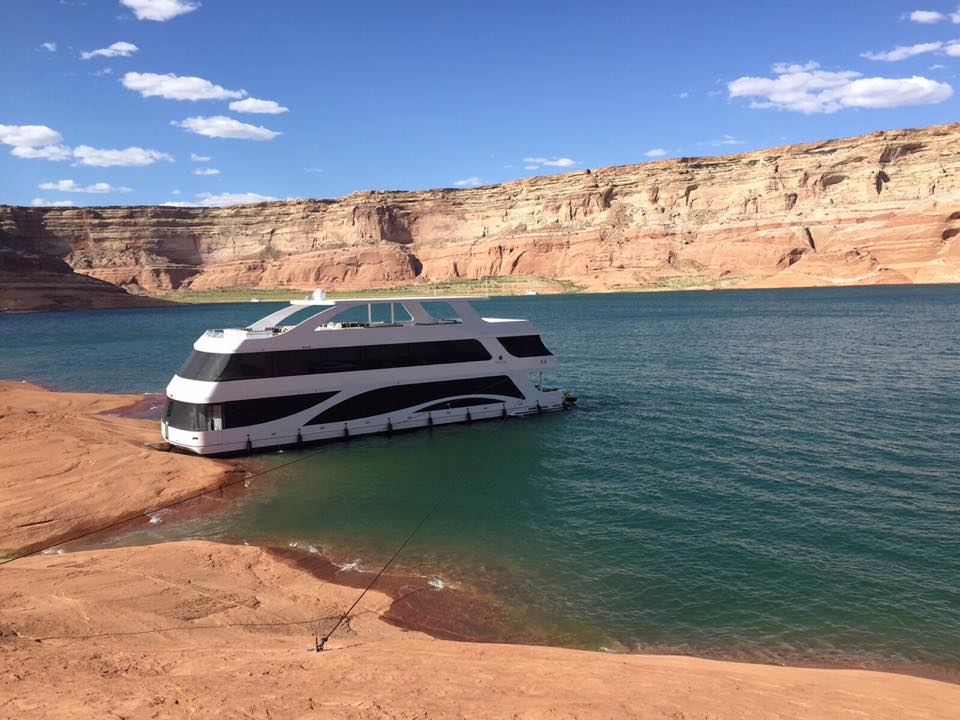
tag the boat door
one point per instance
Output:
(215, 424)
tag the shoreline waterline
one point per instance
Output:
(745, 471)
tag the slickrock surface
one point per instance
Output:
(233, 664)
(76, 628)
(31, 282)
(68, 467)
(878, 208)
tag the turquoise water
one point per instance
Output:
(762, 474)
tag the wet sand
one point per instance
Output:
(79, 630)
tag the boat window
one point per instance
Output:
(439, 310)
(238, 413)
(459, 403)
(220, 367)
(188, 416)
(399, 397)
(524, 346)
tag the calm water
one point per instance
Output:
(770, 475)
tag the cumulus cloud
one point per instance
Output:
(34, 142)
(807, 89)
(200, 158)
(902, 52)
(220, 126)
(226, 199)
(469, 182)
(254, 105)
(48, 46)
(930, 17)
(46, 152)
(160, 10)
(71, 186)
(40, 202)
(533, 163)
(655, 152)
(28, 135)
(129, 157)
(118, 49)
(206, 171)
(41, 142)
(177, 87)
(953, 49)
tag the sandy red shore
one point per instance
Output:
(78, 631)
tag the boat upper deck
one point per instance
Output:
(382, 313)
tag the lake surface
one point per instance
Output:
(768, 475)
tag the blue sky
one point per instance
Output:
(413, 95)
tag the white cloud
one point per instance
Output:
(34, 142)
(469, 182)
(902, 52)
(315, 170)
(71, 186)
(655, 152)
(682, 95)
(177, 87)
(953, 49)
(40, 202)
(200, 158)
(177, 203)
(102, 71)
(48, 46)
(118, 49)
(254, 105)
(175, 192)
(219, 126)
(807, 89)
(129, 157)
(160, 10)
(28, 135)
(532, 163)
(226, 199)
(206, 171)
(45, 152)
(927, 17)
(726, 140)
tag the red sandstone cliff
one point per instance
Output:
(878, 208)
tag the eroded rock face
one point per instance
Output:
(878, 208)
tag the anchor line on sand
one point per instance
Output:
(319, 643)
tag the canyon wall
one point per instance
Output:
(878, 208)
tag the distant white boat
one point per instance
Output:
(254, 299)
(529, 292)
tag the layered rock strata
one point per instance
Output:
(878, 208)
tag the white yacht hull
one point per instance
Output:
(268, 386)
(288, 432)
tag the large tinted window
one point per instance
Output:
(188, 416)
(239, 413)
(218, 367)
(400, 397)
(524, 346)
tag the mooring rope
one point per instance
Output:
(319, 644)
